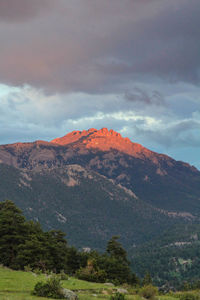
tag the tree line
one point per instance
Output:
(24, 243)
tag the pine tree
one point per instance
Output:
(147, 279)
(13, 232)
(115, 249)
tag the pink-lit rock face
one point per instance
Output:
(73, 137)
(104, 140)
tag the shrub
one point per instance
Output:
(91, 275)
(189, 296)
(63, 276)
(117, 296)
(50, 289)
(148, 292)
(27, 268)
(37, 271)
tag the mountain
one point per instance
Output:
(157, 179)
(87, 206)
(93, 184)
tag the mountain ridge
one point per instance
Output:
(156, 178)
(111, 139)
(102, 140)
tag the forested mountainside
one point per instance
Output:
(173, 258)
(94, 184)
(87, 206)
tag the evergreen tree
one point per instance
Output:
(147, 279)
(115, 249)
(13, 232)
(116, 263)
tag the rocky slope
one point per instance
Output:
(87, 206)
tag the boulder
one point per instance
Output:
(122, 291)
(109, 284)
(69, 295)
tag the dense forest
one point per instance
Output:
(23, 244)
(173, 260)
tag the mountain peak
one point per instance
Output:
(90, 133)
(104, 140)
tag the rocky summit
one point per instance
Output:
(104, 140)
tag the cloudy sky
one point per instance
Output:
(131, 65)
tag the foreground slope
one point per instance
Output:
(18, 285)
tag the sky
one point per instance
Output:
(131, 65)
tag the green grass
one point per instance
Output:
(17, 285)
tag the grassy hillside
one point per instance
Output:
(17, 285)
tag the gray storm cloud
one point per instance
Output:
(142, 97)
(22, 10)
(98, 46)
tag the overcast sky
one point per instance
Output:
(131, 65)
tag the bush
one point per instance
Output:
(189, 296)
(50, 289)
(63, 276)
(149, 292)
(91, 275)
(27, 268)
(37, 271)
(118, 296)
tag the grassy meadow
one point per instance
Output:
(17, 285)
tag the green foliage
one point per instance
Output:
(173, 258)
(147, 280)
(115, 249)
(189, 296)
(148, 292)
(116, 264)
(24, 245)
(74, 260)
(50, 289)
(37, 271)
(63, 276)
(112, 266)
(13, 231)
(27, 268)
(117, 296)
(92, 272)
(93, 276)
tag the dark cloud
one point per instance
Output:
(22, 10)
(98, 46)
(174, 41)
(142, 97)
